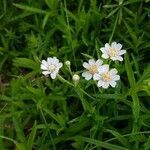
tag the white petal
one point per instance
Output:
(105, 85)
(96, 76)
(113, 45)
(59, 65)
(103, 69)
(103, 50)
(85, 65)
(122, 52)
(114, 58)
(116, 77)
(43, 67)
(56, 71)
(45, 72)
(113, 71)
(50, 60)
(119, 46)
(105, 56)
(100, 83)
(113, 83)
(107, 46)
(91, 61)
(99, 62)
(53, 75)
(119, 58)
(45, 63)
(87, 75)
(55, 60)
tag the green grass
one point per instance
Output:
(44, 114)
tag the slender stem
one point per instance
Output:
(130, 134)
(70, 35)
(64, 80)
(54, 148)
(69, 69)
(9, 139)
(3, 108)
(114, 28)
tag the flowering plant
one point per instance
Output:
(94, 69)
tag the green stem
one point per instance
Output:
(64, 80)
(54, 148)
(114, 28)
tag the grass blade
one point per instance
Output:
(101, 144)
(132, 82)
(31, 137)
(30, 9)
(122, 139)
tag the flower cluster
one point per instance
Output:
(96, 70)
(102, 73)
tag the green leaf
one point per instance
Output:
(30, 9)
(86, 106)
(36, 91)
(112, 12)
(145, 75)
(131, 2)
(20, 146)
(118, 136)
(58, 118)
(99, 143)
(110, 96)
(21, 16)
(129, 72)
(45, 20)
(147, 144)
(110, 6)
(19, 129)
(129, 11)
(26, 63)
(136, 104)
(78, 126)
(131, 32)
(86, 55)
(52, 4)
(31, 138)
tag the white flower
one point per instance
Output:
(106, 77)
(51, 67)
(113, 51)
(91, 68)
(76, 77)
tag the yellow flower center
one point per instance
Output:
(106, 76)
(113, 52)
(52, 68)
(93, 69)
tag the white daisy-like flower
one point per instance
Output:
(113, 51)
(51, 67)
(106, 77)
(91, 68)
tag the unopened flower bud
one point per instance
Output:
(76, 77)
(67, 63)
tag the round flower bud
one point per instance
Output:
(76, 77)
(67, 63)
